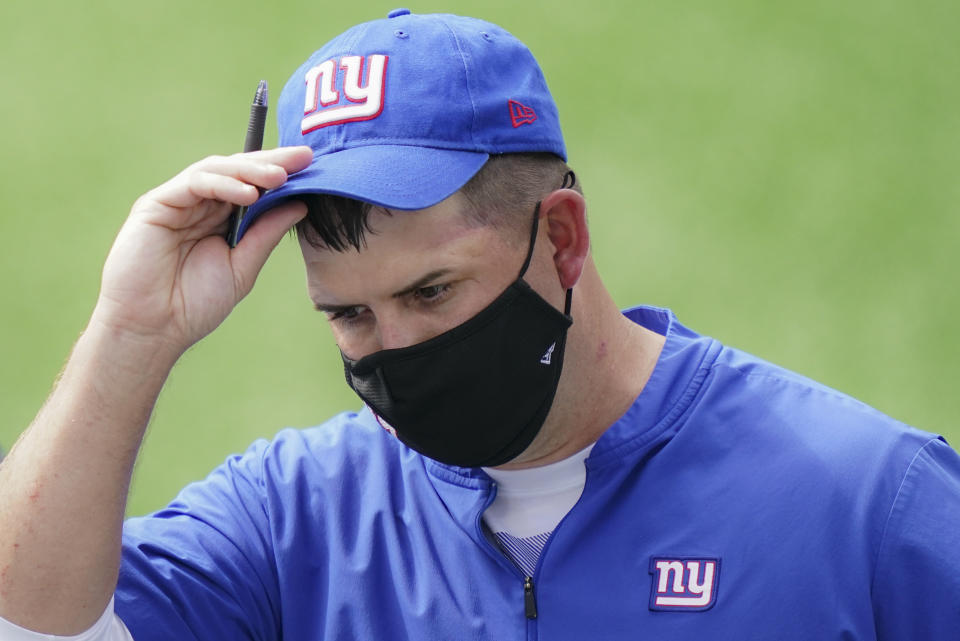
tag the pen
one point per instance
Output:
(253, 142)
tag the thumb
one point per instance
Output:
(250, 254)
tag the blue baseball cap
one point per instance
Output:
(401, 112)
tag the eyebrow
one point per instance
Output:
(423, 281)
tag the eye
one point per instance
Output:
(431, 293)
(348, 314)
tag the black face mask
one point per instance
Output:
(479, 393)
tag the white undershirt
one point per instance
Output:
(530, 503)
(528, 506)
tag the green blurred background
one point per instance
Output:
(783, 175)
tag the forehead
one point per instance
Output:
(398, 232)
(401, 247)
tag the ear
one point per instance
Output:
(564, 213)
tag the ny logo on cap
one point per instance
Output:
(683, 583)
(324, 106)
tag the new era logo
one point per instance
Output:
(520, 114)
(548, 355)
(325, 106)
(685, 583)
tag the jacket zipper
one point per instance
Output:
(529, 600)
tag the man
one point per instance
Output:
(549, 467)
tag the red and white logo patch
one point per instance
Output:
(683, 583)
(327, 105)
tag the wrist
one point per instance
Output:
(125, 350)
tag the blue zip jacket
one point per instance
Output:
(734, 500)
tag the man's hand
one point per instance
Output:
(170, 276)
(169, 280)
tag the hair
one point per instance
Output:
(502, 194)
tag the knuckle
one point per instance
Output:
(146, 200)
(274, 175)
(193, 178)
(207, 162)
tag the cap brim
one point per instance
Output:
(391, 176)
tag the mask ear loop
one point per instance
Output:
(569, 180)
(533, 239)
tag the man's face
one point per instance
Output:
(420, 274)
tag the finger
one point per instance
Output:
(290, 158)
(256, 168)
(195, 186)
(267, 168)
(256, 245)
(245, 168)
